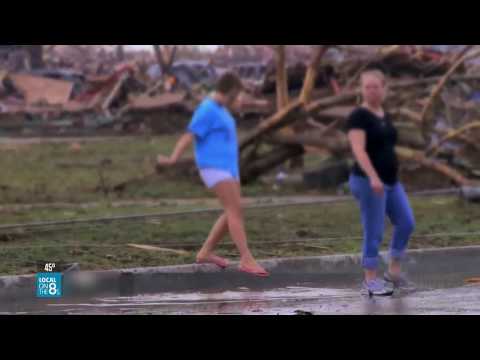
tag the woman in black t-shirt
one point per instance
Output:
(374, 183)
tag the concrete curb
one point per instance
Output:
(285, 272)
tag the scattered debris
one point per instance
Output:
(296, 100)
(155, 248)
(418, 113)
(303, 313)
(473, 281)
(471, 193)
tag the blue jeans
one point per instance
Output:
(374, 208)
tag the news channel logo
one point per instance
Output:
(49, 283)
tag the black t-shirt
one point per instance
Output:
(381, 138)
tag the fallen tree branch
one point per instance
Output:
(463, 138)
(251, 171)
(445, 170)
(326, 129)
(451, 136)
(327, 102)
(312, 73)
(408, 114)
(286, 116)
(431, 80)
(336, 143)
(464, 56)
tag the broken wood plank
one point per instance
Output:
(114, 92)
(158, 249)
(475, 280)
(39, 89)
(310, 246)
(145, 102)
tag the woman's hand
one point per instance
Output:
(377, 186)
(358, 140)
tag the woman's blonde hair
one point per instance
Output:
(375, 73)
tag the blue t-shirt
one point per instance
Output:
(216, 145)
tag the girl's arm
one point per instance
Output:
(182, 145)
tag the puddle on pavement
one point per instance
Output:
(437, 294)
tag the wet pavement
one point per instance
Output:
(295, 300)
(317, 286)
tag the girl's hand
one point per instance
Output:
(165, 161)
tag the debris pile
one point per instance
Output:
(297, 100)
(432, 96)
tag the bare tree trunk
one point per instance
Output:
(282, 77)
(160, 57)
(283, 98)
(35, 53)
(173, 54)
(312, 73)
(165, 58)
(120, 53)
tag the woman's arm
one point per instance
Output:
(182, 145)
(358, 142)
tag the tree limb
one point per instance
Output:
(451, 136)
(445, 170)
(312, 73)
(463, 56)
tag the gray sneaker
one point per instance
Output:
(376, 288)
(399, 282)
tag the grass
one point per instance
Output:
(38, 174)
(282, 232)
(54, 172)
(34, 173)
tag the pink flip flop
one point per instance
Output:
(253, 272)
(215, 260)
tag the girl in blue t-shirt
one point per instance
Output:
(213, 130)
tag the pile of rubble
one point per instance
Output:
(432, 95)
(297, 98)
(83, 90)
